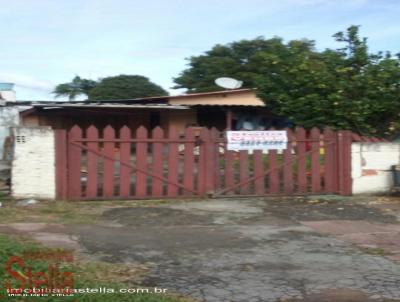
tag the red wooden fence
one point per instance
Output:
(108, 164)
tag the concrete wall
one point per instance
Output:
(33, 165)
(371, 163)
(9, 117)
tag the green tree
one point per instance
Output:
(232, 60)
(125, 87)
(345, 88)
(76, 87)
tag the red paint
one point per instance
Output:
(274, 172)
(74, 164)
(173, 161)
(125, 155)
(301, 160)
(287, 169)
(157, 184)
(108, 162)
(244, 171)
(141, 163)
(92, 161)
(258, 172)
(188, 161)
(315, 164)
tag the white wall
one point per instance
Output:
(371, 163)
(9, 117)
(33, 165)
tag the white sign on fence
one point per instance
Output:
(256, 140)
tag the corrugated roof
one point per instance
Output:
(107, 105)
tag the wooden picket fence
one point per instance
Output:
(108, 164)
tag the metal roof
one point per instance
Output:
(55, 105)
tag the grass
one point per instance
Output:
(86, 275)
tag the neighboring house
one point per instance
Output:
(229, 109)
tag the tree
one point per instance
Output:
(125, 87)
(345, 88)
(232, 60)
(76, 87)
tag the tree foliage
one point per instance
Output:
(125, 87)
(116, 87)
(76, 87)
(344, 88)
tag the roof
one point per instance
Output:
(55, 105)
(164, 98)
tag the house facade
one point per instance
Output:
(230, 109)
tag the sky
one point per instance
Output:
(47, 42)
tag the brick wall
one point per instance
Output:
(371, 163)
(33, 165)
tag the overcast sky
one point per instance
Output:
(46, 42)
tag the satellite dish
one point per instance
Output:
(228, 83)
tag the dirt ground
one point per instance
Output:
(304, 249)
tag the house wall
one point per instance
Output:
(371, 163)
(33, 164)
(9, 117)
(180, 119)
(244, 98)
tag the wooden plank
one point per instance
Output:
(61, 164)
(141, 163)
(74, 164)
(157, 184)
(315, 164)
(287, 169)
(92, 180)
(173, 161)
(301, 160)
(215, 157)
(344, 162)
(228, 168)
(204, 144)
(108, 170)
(330, 171)
(274, 172)
(125, 156)
(188, 162)
(258, 172)
(244, 171)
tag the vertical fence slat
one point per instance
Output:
(344, 162)
(287, 169)
(61, 164)
(315, 164)
(74, 164)
(301, 160)
(141, 162)
(215, 135)
(188, 173)
(108, 177)
(173, 161)
(92, 135)
(258, 172)
(229, 171)
(274, 172)
(244, 171)
(125, 156)
(157, 184)
(330, 173)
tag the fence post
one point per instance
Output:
(60, 136)
(344, 162)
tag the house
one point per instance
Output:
(229, 109)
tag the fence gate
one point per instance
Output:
(108, 164)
